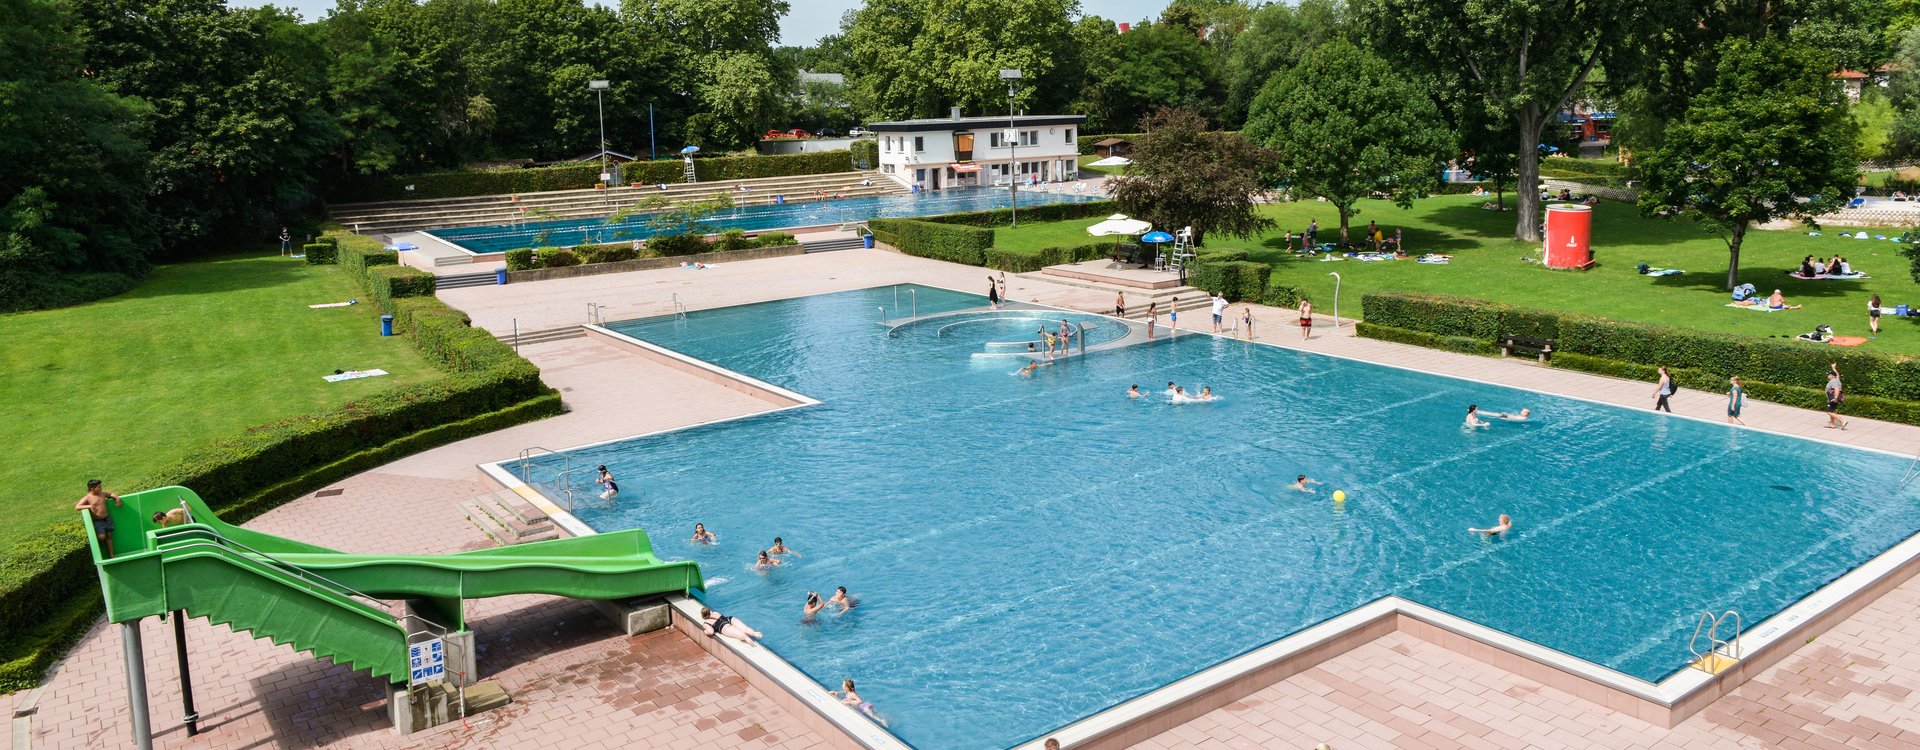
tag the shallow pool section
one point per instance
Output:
(807, 213)
(1028, 551)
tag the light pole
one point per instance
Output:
(1013, 136)
(599, 88)
(653, 151)
(1336, 300)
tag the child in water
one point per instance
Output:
(853, 699)
(701, 535)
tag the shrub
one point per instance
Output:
(1283, 295)
(775, 239)
(1447, 316)
(609, 253)
(357, 254)
(388, 283)
(555, 257)
(322, 253)
(520, 259)
(668, 245)
(1235, 279)
(865, 154)
(926, 239)
(1462, 344)
(460, 183)
(732, 239)
(24, 289)
(1046, 212)
(1219, 256)
(1019, 262)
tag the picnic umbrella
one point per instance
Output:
(1111, 161)
(1156, 238)
(1118, 225)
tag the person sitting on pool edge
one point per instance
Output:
(1473, 416)
(1520, 416)
(1300, 483)
(1505, 525)
(715, 624)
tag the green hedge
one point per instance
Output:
(667, 246)
(357, 254)
(865, 154)
(1283, 295)
(1237, 280)
(555, 257)
(388, 283)
(456, 184)
(322, 254)
(1044, 212)
(1462, 344)
(1763, 363)
(520, 259)
(1021, 262)
(949, 242)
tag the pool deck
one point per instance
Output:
(577, 683)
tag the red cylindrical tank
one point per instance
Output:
(1569, 227)
(1125, 27)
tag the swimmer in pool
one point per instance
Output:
(842, 600)
(853, 699)
(1133, 391)
(701, 535)
(780, 548)
(1520, 416)
(811, 608)
(1032, 364)
(1473, 417)
(1300, 483)
(1505, 525)
(1206, 393)
(765, 562)
(714, 623)
(1171, 388)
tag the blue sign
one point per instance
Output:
(426, 662)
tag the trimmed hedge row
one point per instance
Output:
(1461, 344)
(1283, 295)
(1045, 212)
(1237, 280)
(1632, 349)
(322, 254)
(461, 183)
(949, 242)
(1013, 262)
(48, 577)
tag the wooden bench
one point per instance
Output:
(1543, 348)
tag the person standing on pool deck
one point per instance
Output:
(1505, 525)
(1835, 394)
(1003, 287)
(1219, 311)
(1066, 337)
(1663, 391)
(606, 481)
(1246, 319)
(1736, 398)
(993, 294)
(286, 243)
(95, 503)
(1153, 318)
(1173, 315)
(1120, 304)
(1306, 319)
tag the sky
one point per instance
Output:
(805, 23)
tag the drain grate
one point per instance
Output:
(329, 493)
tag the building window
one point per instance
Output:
(1029, 137)
(996, 140)
(1069, 136)
(919, 144)
(920, 175)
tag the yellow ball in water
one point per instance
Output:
(1339, 496)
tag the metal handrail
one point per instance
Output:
(563, 478)
(226, 544)
(1708, 622)
(679, 308)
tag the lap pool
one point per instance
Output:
(1030, 551)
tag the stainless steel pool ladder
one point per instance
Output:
(594, 314)
(562, 478)
(1913, 470)
(1709, 625)
(679, 308)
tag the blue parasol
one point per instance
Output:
(403, 246)
(1156, 237)
(689, 149)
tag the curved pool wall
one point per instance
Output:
(1030, 551)
(800, 213)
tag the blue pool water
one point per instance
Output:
(1028, 552)
(803, 213)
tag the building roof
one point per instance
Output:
(964, 123)
(1850, 74)
(1112, 142)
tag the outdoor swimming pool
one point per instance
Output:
(1028, 552)
(805, 213)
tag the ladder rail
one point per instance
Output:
(1709, 625)
(562, 478)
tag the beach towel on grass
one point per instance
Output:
(1848, 340)
(1830, 276)
(354, 375)
(1762, 307)
(335, 304)
(1665, 272)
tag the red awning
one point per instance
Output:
(966, 167)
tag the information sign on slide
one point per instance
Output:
(426, 662)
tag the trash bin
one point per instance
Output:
(500, 276)
(868, 240)
(386, 325)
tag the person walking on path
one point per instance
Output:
(1736, 398)
(1306, 319)
(1120, 304)
(1873, 315)
(1663, 391)
(95, 504)
(1219, 311)
(993, 294)
(1835, 394)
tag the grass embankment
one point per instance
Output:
(1488, 264)
(120, 388)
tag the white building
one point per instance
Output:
(972, 151)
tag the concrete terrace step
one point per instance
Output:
(456, 281)
(844, 243)
(543, 336)
(508, 520)
(1137, 299)
(673, 190)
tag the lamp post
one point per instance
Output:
(599, 88)
(1013, 136)
(653, 151)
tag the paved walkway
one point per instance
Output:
(577, 683)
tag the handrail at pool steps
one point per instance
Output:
(1719, 653)
(562, 478)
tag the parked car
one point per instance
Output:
(794, 133)
(826, 133)
(859, 132)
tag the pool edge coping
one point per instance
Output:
(1665, 704)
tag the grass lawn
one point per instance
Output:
(1086, 161)
(120, 388)
(1488, 264)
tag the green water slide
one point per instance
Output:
(348, 607)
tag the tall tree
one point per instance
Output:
(1276, 37)
(1152, 65)
(1769, 138)
(1345, 124)
(73, 218)
(916, 58)
(1184, 175)
(726, 61)
(1525, 58)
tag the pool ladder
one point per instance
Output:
(1719, 654)
(563, 478)
(679, 308)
